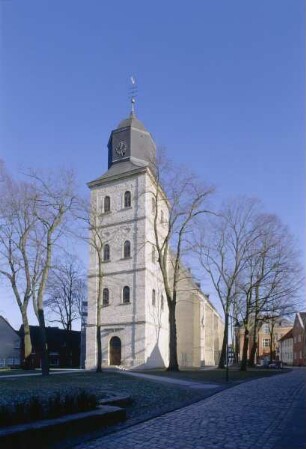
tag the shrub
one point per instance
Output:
(36, 408)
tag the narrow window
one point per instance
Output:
(162, 216)
(107, 204)
(127, 199)
(153, 205)
(127, 249)
(106, 252)
(162, 302)
(153, 254)
(105, 297)
(126, 295)
(153, 297)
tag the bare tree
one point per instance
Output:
(17, 249)
(223, 246)
(251, 262)
(65, 292)
(271, 280)
(33, 217)
(178, 199)
(55, 199)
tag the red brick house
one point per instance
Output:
(299, 339)
(63, 347)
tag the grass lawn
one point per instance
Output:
(149, 398)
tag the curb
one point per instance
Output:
(42, 433)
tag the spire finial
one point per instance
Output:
(133, 94)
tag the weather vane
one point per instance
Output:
(133, 93)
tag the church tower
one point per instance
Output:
(134, 317)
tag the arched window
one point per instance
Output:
(105, 296)
(127, 199)
(162, 302)
(126, 295)
(106, 252)
(107, 204)
(127, 249)
(153, 297)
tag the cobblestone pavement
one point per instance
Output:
(252, 415)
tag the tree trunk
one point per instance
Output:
(252, 354)
(26, 341)
(43, 342)
(271, 351)
(173, 363)
(99, 306)
(99, 349)
(253, 348)
(244, 360)
(224, 344)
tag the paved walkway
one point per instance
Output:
(170, 380)
(252, 415)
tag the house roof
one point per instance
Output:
(5, 320)
(302, 318)
(287, 335)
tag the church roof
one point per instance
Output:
(119, 169)
(131, 149)
(133, 122)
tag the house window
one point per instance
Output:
(105, 297)
(127, 199)
(299, 338)
(153, 297)
(265, 328)
(107, 204)
(266, 342)
(126, 295)
(106, 253)
(127, 249)
(162, 302)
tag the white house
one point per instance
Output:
(134, 318)
(9, 345)
(286, 348)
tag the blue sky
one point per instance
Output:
(220, 86)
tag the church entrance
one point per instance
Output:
(115, 351)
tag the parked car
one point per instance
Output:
(276, 364)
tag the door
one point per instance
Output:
(115, 351)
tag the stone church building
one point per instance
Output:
(134, 315)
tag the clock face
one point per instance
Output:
(121, 148)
